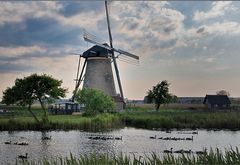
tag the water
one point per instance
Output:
(135, 141)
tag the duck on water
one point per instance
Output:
(23, 156)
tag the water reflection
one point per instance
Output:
(135, 141)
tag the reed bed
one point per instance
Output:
(181, 119)
(212, 157)
(63, 122)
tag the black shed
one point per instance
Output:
(217, 101)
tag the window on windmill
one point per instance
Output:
(98, 53)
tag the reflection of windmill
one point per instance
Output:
(97, 64)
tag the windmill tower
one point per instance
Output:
(99, 73)
(98, 66)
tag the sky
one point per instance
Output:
(194, 45)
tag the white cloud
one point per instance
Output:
(226, 27)
(218, 9)
(149, 27)
(16, 12)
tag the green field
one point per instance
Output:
(138, 117)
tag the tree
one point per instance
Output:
(223, 92)
(159, 94)
(31, 88)
(174, 99)
(95, 101)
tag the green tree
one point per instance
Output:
(223, 92)
(31, 88)
(159, 94)
(95, 101)
(174, 98)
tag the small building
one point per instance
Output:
(217, 102)
(64, 107)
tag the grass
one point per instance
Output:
(213, 157)
(139, 117)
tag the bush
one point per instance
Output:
(95, 101)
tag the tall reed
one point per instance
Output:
(212, 157)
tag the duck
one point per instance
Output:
(168, 151)
(189, 138)
(201, 152)
(8, 142)
(179, 151)
(195, 132)
(47, 138)
(153, 137)
(23, 156)
(96, 138)
(22, 143)
(187, 151)
(118, 138)
(166, 138)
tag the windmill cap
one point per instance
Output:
(96, 51)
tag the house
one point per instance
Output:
(217, 102)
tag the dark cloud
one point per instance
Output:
(130, 24)
(170, 28)
(15, 68)
(72, 8)
(200, 30)
(38, 31)
(168, 44)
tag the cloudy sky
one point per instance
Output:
(194, 45)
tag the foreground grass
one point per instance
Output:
(213, 157)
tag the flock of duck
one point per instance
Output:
(185, 151)
(104, 138)
(175, 138)
(178, 138)
(24, 144)
(171, 138)
(16, 143)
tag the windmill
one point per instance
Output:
(97, 65)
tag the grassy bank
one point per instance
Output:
(213, 157)
(139, 117)
(174, 118)
(63, 122)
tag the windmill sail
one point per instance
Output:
(127, 54)
(86, 38)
